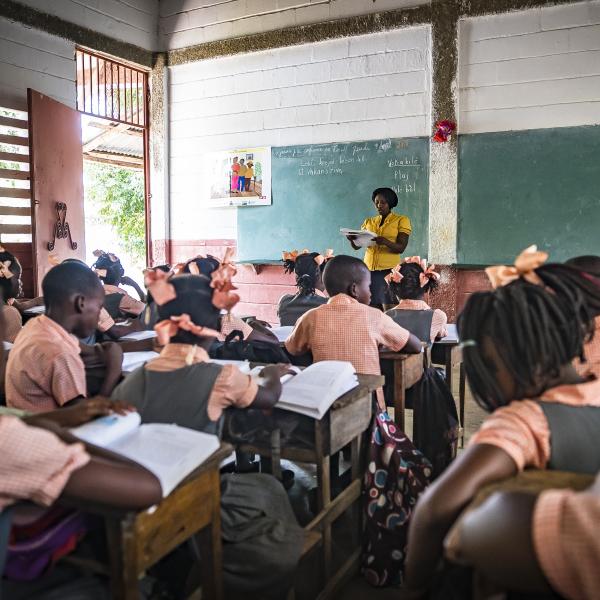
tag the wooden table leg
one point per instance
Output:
(323, 495)
(399, 393)
(123, 561)
(448, 353)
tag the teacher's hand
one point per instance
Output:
(381, 241)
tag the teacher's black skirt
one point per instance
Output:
(380, 292)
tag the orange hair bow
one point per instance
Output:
(322, 258)
(525, 265)
(428, 271)
(5, 271)
(112, 257)
(293, 255)
(223, 297)
(157, 282)
(168, 328)
(394, 276)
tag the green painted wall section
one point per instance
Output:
(317, 189)
(530, 187)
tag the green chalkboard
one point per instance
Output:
(539, 187)
(317, 189)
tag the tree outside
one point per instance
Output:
(115, 213)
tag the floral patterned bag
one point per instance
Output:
(397, 474)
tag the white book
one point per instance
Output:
(316, 388)
(138, 336)
(452, 337)
(242, 365)
(282, 332)
(170, 452)
(134, 360)
(35, 310)
(363, 237)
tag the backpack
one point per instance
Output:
(396, 475)
(240, 349)
(435, 420)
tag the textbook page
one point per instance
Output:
(170, 452)
(134, 360)
(282, 332)
(138, 336)
(314, 390)
(363, 237)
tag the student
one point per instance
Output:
(10, 288)
(590, 265)
(409, 282)
(118, 302)
(45, 369)
(518, 344)
(347, 328)
(242, 176)
(182, 386)
(527, 543)
(308, 269)
(254, 330)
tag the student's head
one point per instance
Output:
(348, 275)
(193, 297)
(10, 275)
(384, 199)
(108, 267)
(201, 265)
(308, 269)
(520, 337)
(589, 264)
(413, 281)
(73, 292)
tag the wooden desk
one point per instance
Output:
(138, 540)
(451, 356)
(344, 424)
(408, 369)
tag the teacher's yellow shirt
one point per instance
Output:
(379, 258)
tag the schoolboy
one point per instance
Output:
(45, 369)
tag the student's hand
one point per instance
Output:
(258, 323)
(276, 371)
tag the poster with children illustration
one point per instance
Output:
(240, 177)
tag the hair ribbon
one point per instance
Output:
(168, 328)
(524, 267)
(428, 271)
(293, 255)
(323, 258)
(221, 277)
(112, 257)
(394, 276)
(158, 285)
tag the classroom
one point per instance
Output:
(300, 299)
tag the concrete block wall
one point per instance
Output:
(189, 22)
(530, 69)
(32, 58)
(132, 21)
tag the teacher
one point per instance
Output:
(392, 231)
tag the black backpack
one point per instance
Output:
(435, 424)
(236, 348)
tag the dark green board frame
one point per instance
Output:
(540, 186)
(317, 189)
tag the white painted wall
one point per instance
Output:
(531, 69)
(358, 88)
(189, 22)
(31, 58)
(133, 21)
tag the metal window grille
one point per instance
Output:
(111, 90)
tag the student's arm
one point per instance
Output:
(299, 340)
(118, 330)
(23, 305)
(396, 338)
(497, 539)
(109, 481)
(440, 505)
(113, 361)
(269, 392)
(125, 280)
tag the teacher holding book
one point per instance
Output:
(383, 251)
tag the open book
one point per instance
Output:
(363, 237)
(138, 336)
(169, 451)
(314, 390)
(134, 360)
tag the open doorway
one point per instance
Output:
(112, 98)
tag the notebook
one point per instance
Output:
(282, 332)
(170, 452)
(134, 360)
(312, 391)
(138, 336)
(363, 238)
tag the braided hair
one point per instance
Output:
(13, 286)
(535, 330)
(114, 269)
(194, 297)
(409, 288)
(307, 272)
(589, 263)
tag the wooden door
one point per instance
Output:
(56, 166)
